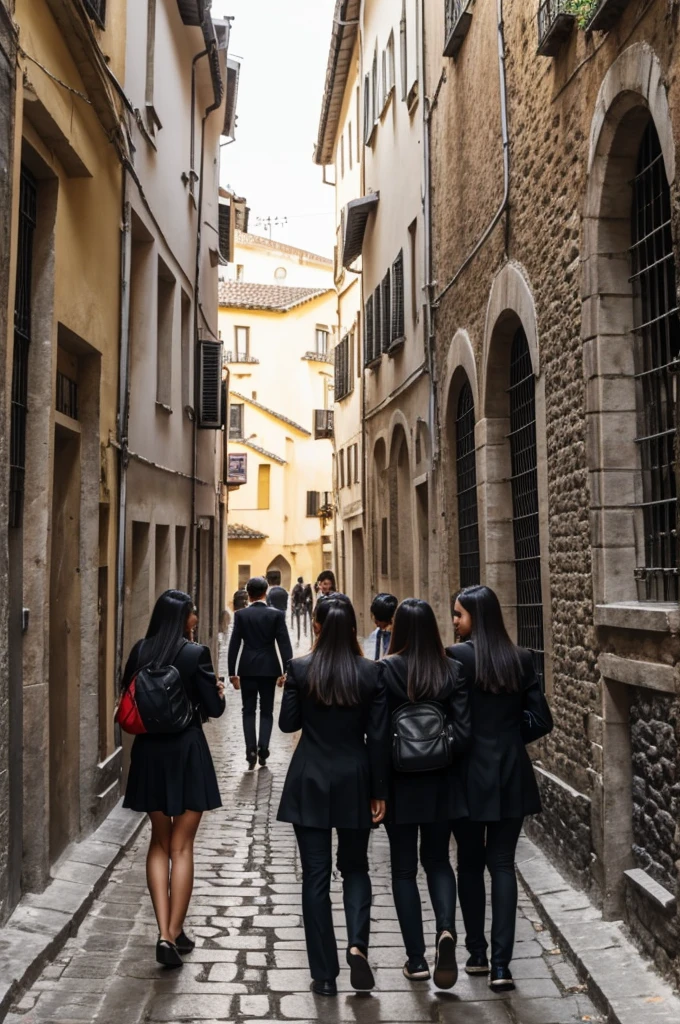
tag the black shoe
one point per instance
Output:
(445, 966)
(184, 943)
(360, 974)
(262, 757)
(251, 758)
(501, 979)
(324, 988)
(168, 954)
(416, 969)
(477, 964)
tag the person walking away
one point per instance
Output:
(421, 804)
(326, 583)
(508, 711)
(297, 600)
(308, 597)
(383, 608)
(240, 599)
(277, 597)
(171, 776)
(259, 650)
(337, 779)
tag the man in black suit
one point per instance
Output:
(259, 651)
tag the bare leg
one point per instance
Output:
(158, 870)
(184, 829)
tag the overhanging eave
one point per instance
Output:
(355, 217)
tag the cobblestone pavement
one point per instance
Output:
(250, 962)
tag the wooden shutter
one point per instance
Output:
(210, 385)
(398, 298)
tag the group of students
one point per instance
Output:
(367, 754)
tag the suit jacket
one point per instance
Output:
(278, 598)
(420, 798)
(194, 664)
(342, 760)
(498, 775)
(260, 644)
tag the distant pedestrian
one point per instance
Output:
(172, 776)
(337, 780)
(425, 789)
(308, 610)
(240, 599)
(326, 582)
(508, 711)
(383, 608)
(277, 597)
(259, 650)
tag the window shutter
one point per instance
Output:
(398, 298)
(368, 119)
(377, 322)
(342, 369)
(368, 332)
(386, 288)
(210, 385)
(313, 503)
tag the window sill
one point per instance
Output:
(161, 406)
(341, 398)
(649, 675)
(639, 615)
(386, 104)
(374, 363)
(396, 346)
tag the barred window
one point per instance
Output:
(658, 362)
(386, 333)
(524, 481)
(466, 475)
(343, 372)
(398, 298)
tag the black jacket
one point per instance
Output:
(420, 798)
(258, 631)
(277, 597)
(497, 771)
(342, 760)
(194, 663)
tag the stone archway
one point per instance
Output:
(280, 565)
(400, 515)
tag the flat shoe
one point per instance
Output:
(360, 974)
(324, 988)
(445, 967)
(184, 943)
(167, 954)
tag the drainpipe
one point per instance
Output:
(123, 415)
(433, 414)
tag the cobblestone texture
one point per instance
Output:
(250, 961)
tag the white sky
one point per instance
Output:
(284, 51)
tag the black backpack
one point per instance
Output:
(421, 738)
(162, 700)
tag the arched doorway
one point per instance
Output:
(400, 517)
(279, 572)
(464, 557)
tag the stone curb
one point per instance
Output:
(42, 922)
(620, 980)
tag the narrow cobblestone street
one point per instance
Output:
(250, 961)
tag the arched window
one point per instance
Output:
(657, 334)
(524, 481)
(466, 475)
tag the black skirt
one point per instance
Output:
(172, 773)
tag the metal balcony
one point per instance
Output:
(458, 18)
(606, 14)
(555, 25)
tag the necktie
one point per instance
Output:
(379, 644)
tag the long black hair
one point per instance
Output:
(416, 636)
(333, 676)
(498, 665)
(167, 626)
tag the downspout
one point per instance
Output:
(506, 160)
(433, 413)
(123, 416)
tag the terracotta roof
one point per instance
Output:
(257, 448)
(272, 412)
(235, 531)
(262, 242)
(278, 298)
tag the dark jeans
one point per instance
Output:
(490, 844)
(316, 856)
(441, 881)
(251, 688)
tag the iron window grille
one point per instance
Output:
(22, 341)
(398, 299)
(525, 519)
(343, 375)
(236, 430)
(658, 362)
(67, 396)
(466, 477)
(239, 357)
(97, 10)
(386, 301)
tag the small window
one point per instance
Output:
(341, 467)
(377, 320)
(386, 332)
(398, 299)
(342, 156)
(242, 337)
(349, 145)
(356, 463)
(369, 324)
(244, 575)
(343, 368)
(368, 119)
(322, 334)
(240, 272)
(280, 274)
(187, 351)
(413, 246)
(313, 504)
(164, 330)
(403, 46)
(263, 482)
(236, 421)
(375, 111)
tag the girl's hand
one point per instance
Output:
(220, 687)
(377, 811)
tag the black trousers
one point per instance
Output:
(490, 844)
(441, 881)
(252, 688)
(316, 857)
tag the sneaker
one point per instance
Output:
(445, 966)
(501, 979)
(416, 969)
(477, 964)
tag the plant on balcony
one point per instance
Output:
(582, 10)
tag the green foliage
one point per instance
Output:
(583, 10)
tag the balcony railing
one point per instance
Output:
(97, 10)
(458, 18)
(555, 24)
(239, 357)
(605, 14)
(318, 357)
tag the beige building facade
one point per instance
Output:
(278, 342)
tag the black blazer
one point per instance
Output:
(497, 771)
(194, 663)
(258, 631)
(419, 798)
(342, 760)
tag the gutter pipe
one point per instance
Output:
(123, 417)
